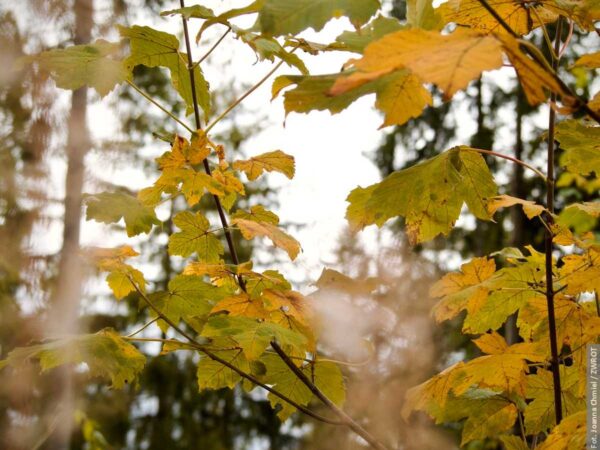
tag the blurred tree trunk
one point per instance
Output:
(66, 295)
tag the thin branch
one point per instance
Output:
(246, 94)
(510, 158)
(197, 345)
(349, 421)
(549, 242)
(159, 106)
(217, 200)
(212, 49)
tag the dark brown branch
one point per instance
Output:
(348, 421)
(219, 206)
(555, 364)
(197, 345)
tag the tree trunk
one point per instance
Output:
(64, 305)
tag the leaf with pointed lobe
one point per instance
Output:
(242, 305)
(291, 303)
(184, 154)
(253, 335)
(279, 17)
(275, 161)
(195, 237)
(195, 11)
(325, 375)
(257, 213)
(153, 48)
(570, 434)
(512, 442)
(580, 144)
(96, 65)
(111, 207)
(214, 375)
(449, 61)
(539, 413)
(188, 297)
(492, 418)
(356, 41)
(105, 354)
(530, 208)
(251, 229)
(430, 195)
(519, 16)
(535, 80)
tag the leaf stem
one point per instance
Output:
(212, 49)
(510, 158)
(159, 106)
(146, 325)
(246, 94)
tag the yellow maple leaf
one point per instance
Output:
(534, 78)
(518, 15)
(272, 161)
(242, 305)
(251, 229)
(448, 61)
(290, 303)
(530, 208)
(453, 287)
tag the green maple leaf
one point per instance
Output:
(278, 17)
(195, 237)
(430, 195)
(153, 48)
(110, 207)
(356, 41)
(214, 375)
(326, 376)
(105, 353)
(96, 65)
(253, 336)
(189, 298)
(580, 145)
(257, 213)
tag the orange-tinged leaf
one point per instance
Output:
(251, 229)
(242, 305)
(534, 79)
(505, 372)
(257, 213)
(518, 15)
(401, 98)
(433, 391)
(530, 208)
(183, 153)
(474, 272)
(448, 61)
(591, 61)
(568, 435)
(272, 161)
(290, 303)
(491, 343)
